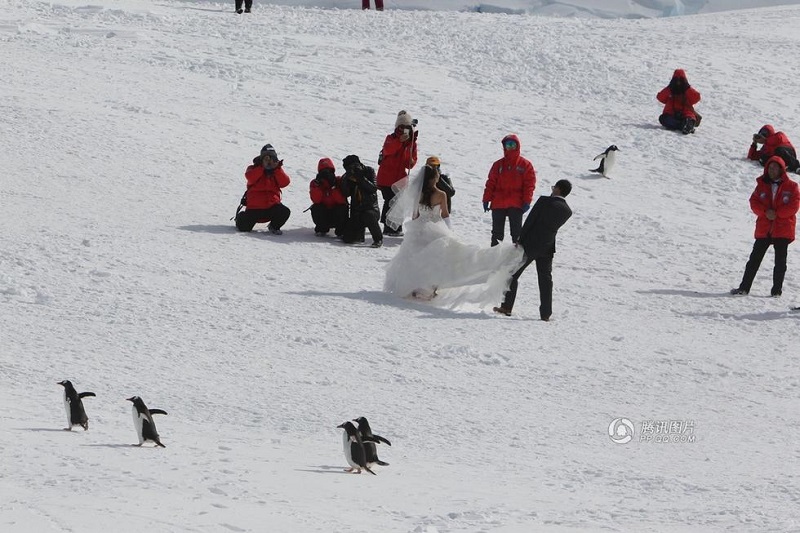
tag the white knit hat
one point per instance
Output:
(403, 119)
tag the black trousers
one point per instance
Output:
(247, 4)
(325, 218)
(514, 215)
(387, 194)
(757, 255)
(789, 157)
(354, 230)
(672, 122)
(277, 215)
(544, 271)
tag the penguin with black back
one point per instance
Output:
(143, 421)
(369, 439)
(76, 414)
(354, 449)
(607, 160)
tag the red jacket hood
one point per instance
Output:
(511, 155)
(325, 163)
(680, 73)
(766, 130)
(775, 159)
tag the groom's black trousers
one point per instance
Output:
(544, 271)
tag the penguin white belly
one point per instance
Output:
(69, 412)
(138, 423)
(610, 159)
(348, 453)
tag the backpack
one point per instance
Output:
(242, 204)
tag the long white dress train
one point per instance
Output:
(433, 264)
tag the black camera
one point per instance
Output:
(414, 122)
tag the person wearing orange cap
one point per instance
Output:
(444, 184)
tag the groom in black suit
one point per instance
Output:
(538, 239)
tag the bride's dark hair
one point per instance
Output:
(428, 185)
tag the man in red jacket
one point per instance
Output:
(775, 202)
(509, 190)
(679, 99)
(775, 143)
(265, 179)
(398, 156)
(329, 209)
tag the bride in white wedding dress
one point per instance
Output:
(432, 264)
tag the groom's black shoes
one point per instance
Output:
(502, 310)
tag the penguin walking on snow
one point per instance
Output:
(369, 439)
(76, 414)
(354, 451)
(607, 160)
(143, 421)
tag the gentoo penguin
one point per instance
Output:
(76, 414)
(354, 449)
(607, 160)
(369, 439)
(143, 421)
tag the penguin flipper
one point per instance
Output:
(381, 463)
(598, 156)
(85, 394)
(157, 412)
(381, 439)
(595, 170)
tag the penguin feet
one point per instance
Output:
(353, 470)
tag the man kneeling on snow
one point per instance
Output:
(265, 179)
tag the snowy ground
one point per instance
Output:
(126, 129)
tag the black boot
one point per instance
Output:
(239, 6)
(688, 126)
(247, 5)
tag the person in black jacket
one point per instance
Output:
(538, 239)
(444, 184)
(358, 183)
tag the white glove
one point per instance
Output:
(449, 225)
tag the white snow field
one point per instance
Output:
(126, 129)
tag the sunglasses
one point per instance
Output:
(510, 145)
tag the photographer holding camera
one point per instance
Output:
(265, 179)
(329, 205)
(775, 143)
(398, 156)
(358, 183)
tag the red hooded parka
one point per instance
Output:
(324, 192)
(396, 158)
(785, 202)
(512, 179)
(773, 140)
(679, 104)
(264, 185)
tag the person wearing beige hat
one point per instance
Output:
(397, 158)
